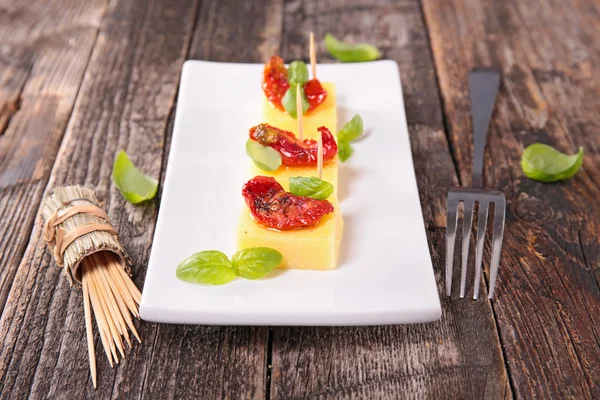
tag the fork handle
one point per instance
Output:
(483, 86)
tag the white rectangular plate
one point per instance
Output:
(385, 274)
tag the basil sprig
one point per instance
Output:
(352, 130)
(265, 157)
(214, 268)
(289, 101)
(349, 133)
(345, 150)
(131, 182)
(543, 163)
(255, 262)
(210, 266)
(347, 52)
(297, 73)
(312, 187)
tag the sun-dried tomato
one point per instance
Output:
(275, 81)
(295, 152)
(273, 207)
(315, 93)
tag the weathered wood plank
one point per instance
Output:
(548, 298)
(233, 31)
(456, 357)
(42, 61)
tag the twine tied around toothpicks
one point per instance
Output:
(77, 227)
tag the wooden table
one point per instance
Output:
(80, 80)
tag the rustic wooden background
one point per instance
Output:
(80, 80)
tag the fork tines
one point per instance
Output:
(469, 197)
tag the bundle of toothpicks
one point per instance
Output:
(86, 246)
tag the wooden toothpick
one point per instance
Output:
(112, 328)
(88, 324)
(320, 156)
(100, 319)
(133, 290)
(127, 297)
(313, 56)
(120, 296)
(112, 303)
(299, 111)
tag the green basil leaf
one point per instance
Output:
(546, 164)
(352, 130)
(210, 267)
(256, 262)
(312, 187)
(297, 73)
(265, 157)
(289, 101)
(346, 52)
(131, 182)
(345, 150)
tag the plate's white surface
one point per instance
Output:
(385, 274)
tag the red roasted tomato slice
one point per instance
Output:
(295, 152)
(275, 81)
(315, 93)
(273, 207)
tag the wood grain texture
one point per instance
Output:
(548, 298)
(42, 62)
(234, 31)
(456, 357)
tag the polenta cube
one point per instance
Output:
(324, 115)
(314, 248)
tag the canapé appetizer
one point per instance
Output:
(306, 231)
(319, 99)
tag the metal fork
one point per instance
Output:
(483, 86)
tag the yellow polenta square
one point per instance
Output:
(314, 248)
(324, 115)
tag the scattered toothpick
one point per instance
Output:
(88, 325)
(320, 156)
(299, 111)
(313, 56)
